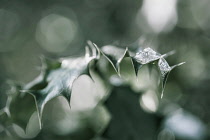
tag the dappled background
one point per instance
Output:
(126, 109)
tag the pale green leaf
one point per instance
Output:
(57, 77)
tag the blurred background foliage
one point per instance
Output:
(111, 108)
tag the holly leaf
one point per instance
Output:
(148, 56)
(144, 57)
(165, 69)
(114, 55)
(57, 77)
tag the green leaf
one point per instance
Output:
(165, 69)
(147, 56)
(57, 77)
(114, 55)
(144, 57)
